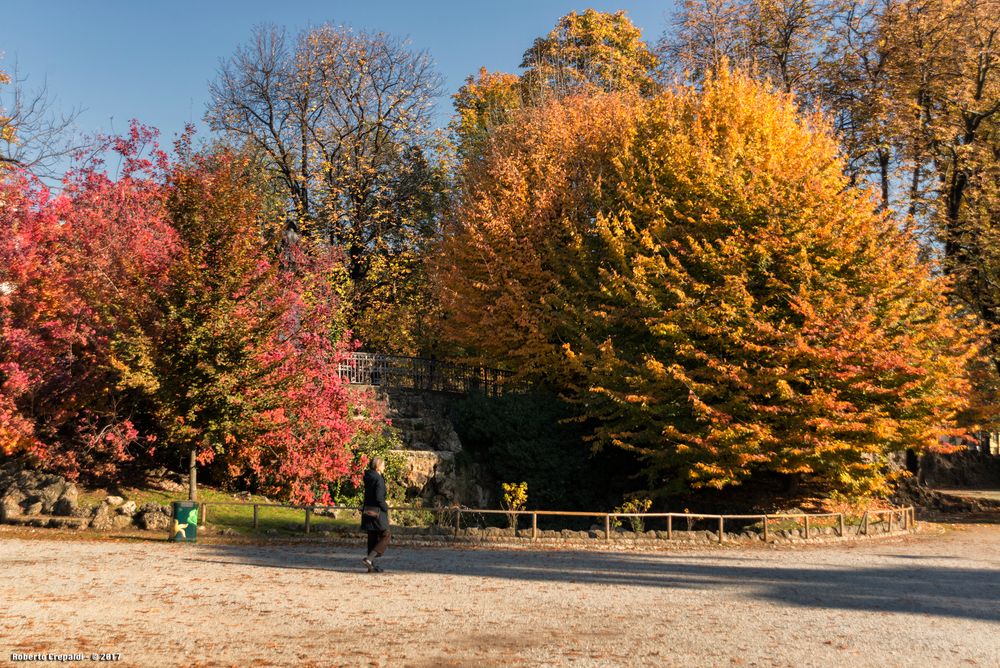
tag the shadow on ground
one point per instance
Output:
(901, 583)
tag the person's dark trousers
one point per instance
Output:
(377, 542)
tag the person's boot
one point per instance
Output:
(369, 565)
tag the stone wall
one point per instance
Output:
(434, 473)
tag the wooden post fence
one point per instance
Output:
(906, 520)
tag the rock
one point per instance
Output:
(103, 518)
(127, 508)
(163, 479)
(25, 480)
(67, 504)
(153, 519)
(114, 501)
(10, 504)
(121, 521)
(154, 508)
(50, 493)
(429, 475)
(33, 508)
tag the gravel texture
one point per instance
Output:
(932, 599)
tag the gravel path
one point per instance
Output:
(926, 600)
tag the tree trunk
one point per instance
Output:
(193, 477)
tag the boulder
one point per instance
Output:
(121, 521)
(127, 508)
(65, 507)
(50, 493)
(153, 519)
(165, 480)
(68, 502)
(32, 507)
(10, 504)
(103, 518)
(114, 501)
(25, 480)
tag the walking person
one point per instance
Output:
(375, 514)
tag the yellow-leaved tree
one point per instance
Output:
(694, 271)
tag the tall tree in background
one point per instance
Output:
(591, 50)
(947, 79)
(830, 53)
(33, 136)
(777, 39)
(695, 272)
(341, 119)
(584, 53)
(913, 88)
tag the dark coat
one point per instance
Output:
(375, 496)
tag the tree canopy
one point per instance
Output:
(694, 270)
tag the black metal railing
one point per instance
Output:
(419, 373)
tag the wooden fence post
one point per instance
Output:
(255, 518)
(806, 517)
(308, 517)
(864, 521)
(721, 527)
(764, 518)
(607, 527)
(204, 514)
(670, 527)
(534, 526)
(891, 513)
(458, 520)
(840, 521)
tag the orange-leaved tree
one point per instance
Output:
(695, 271)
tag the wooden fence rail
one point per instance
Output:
(906, 517)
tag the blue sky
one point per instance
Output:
(152, 60)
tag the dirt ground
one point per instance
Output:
(927, 600)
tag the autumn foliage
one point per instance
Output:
(145, 316)
(694, 271)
